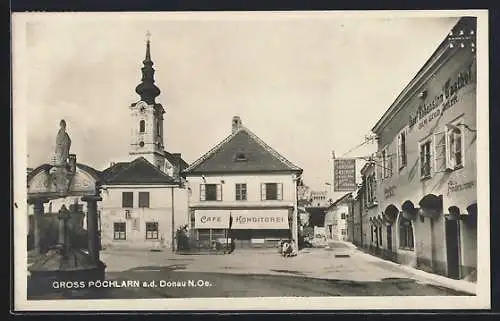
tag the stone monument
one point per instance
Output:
(65, 260)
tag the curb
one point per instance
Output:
(431, 278)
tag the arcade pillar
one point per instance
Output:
(92, 226)
(37, 218)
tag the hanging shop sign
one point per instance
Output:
(344, 175)
(430, 110)
(260, 219)
(211, 219)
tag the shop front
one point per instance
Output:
(243, 228)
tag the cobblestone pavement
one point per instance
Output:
(338, 270)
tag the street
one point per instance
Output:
(339, 270)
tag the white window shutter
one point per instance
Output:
(389, 164)
(279, 192)
(262, 191)
(398, 152)
(219, 192)
(440, 151)
(202, 192)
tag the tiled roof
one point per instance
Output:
(139, 171)
(257, 156)
(172, 158)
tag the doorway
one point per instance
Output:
(389, 237)
(452, 248)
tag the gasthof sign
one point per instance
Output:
(344, 175)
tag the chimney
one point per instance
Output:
(236, 124)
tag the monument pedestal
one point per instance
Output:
(53, 272)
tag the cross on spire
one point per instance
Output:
(148, 36)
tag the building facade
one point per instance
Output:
(144, 199)
(336, 218)
(357, 217)
(242, 191)
(426, 163)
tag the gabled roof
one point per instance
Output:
(139, 171)
(258, 156)
(172, 158)
(341, 199)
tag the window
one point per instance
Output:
(371, 230)
(142, 126)
(402, 149)
(210, 192)
(158, 128)
(241, 157)
(127, 199)
(371, 189)
(343, 231)
(405, 235)
(143, 199)
(449, 149)
(455, 139)
(386, 164)
(342, 216)
(271, 191)
(120, 231)
(425, 159)
(440, 151)
(241, 192)
(380, 235)
(151, 230)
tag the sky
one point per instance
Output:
(306, 84)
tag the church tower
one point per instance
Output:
(147, 115)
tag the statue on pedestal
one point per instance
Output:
(63, 144)
(63, 172)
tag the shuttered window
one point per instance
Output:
(127, 199)
(211, 192)
(425, 159)
(271, 191)
(401, 151)
(144, 199)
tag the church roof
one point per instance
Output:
(241, 152)
(138, 171)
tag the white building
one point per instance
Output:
(336, 218)
(144, 201)
(244, 181)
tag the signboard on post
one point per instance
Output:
(344, 175)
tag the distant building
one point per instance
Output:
(318, 198)
(244, 181)
(336, 218)
(426, 163)
(144, 200)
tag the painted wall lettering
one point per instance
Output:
(389, 191)
(454, 186)
(430, 110)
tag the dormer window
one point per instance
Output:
(241, 157)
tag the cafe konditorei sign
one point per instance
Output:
(426, 112)
(344, 175)
(242, 219)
